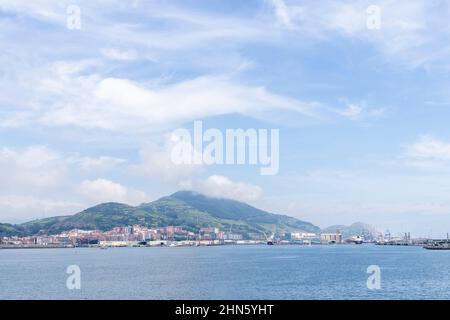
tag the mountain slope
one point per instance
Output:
(187, 209)
(8, 230)
(235, 210)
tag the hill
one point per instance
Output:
(185, 208)
(8, 230)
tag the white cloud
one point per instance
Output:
(117, 54)
(33, 182)
(155, 160)
(78, 94)
(40, 168)
(31, 168)
(67, 98)
(359, 111)
(411, 32)
(101, 163)
(353, 112)
(36, 182)
(222, 187)
(286, 15)
(103, 190)
(428, 147)
(22, 208)
(106, 93)
(393, 199)
(47, 10)
(181, 28)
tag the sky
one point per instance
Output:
(91, 92)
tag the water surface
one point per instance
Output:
(226, 272)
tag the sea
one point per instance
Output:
(226, 272)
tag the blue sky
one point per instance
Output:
(363, 113)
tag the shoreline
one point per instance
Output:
(176, 246)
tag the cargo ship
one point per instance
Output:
(355, 239)
(438, 245)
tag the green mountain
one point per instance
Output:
(185, 208)
(8, 230)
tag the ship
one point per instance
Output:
(355, 239)
(438, 245)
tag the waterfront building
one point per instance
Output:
(331, 237)
(232, 236)
(302, 235)
(123, 236)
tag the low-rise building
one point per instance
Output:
(232, 236)
(331, 237)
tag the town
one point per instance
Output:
(141, 236)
